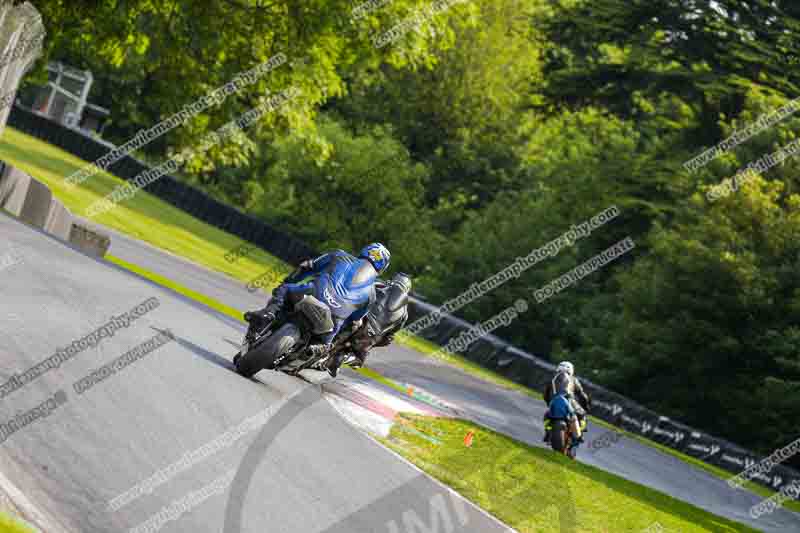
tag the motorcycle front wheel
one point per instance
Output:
(263, 356)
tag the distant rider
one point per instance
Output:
(560, 408)
(567, 386)
(343, 282)
(386, 316)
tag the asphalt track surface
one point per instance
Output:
(315, 473)
(305, 470)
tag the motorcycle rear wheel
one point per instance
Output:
(263, 356)
(558, 437)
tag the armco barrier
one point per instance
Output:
(490, 351)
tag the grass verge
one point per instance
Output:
(144, 217)
(177, 287)
(531, 489)
(9, 524)
(428, 348)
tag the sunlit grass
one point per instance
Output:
(9, 524)
(528, 487)
(144, 217)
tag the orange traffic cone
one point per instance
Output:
(468, 438)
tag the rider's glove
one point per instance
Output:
(259, 317)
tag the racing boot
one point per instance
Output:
(358, 360)
(335, 363)
(575, 428)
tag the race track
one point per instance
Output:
(303, 469)
(510, 412)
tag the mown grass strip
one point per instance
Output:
(9, 524)
(525, 486)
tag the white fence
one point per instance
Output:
(21, 37)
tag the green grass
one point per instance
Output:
(9, 524)
(177, 287)
(144, 217)
(151, 220)
(426, 347)
(525, 487)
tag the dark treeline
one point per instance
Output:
(490, 132)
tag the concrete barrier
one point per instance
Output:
(33, 203)
(89, 240)
(59, 221)
(24, 197)
(37, 204)
(13, 189)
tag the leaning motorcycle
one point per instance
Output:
(282, 344)
(560, 437)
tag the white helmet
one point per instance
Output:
(566, 366)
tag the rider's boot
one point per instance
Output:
(577, 436)
(359, 360)
(335, 363)
(575, 427)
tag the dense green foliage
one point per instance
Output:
(488, 133)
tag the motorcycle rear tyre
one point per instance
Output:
(263, 356)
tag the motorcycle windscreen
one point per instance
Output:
(317, 313)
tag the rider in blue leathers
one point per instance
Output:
(567, 400)
(344, 282)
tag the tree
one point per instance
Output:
(459, 112)
(369, 190)
(151, 58)
(712, 318)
